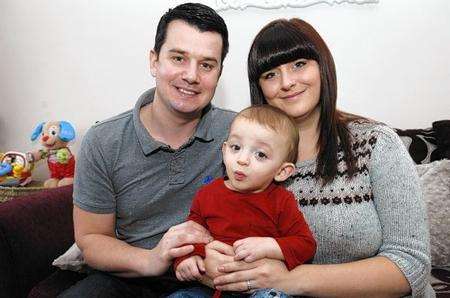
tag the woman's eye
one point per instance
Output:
(299, 63)
(268, 76)
(260, 155)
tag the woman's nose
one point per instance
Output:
(287, 80)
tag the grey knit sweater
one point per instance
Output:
(379, 212)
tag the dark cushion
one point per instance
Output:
(34, 230)
(442, 130)
(421, 144)
(55, 284)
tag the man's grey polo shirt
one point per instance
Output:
(121, 169)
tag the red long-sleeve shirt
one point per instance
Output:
(229, 216)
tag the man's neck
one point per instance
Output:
(166, 126)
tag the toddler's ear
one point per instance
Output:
(285, 171)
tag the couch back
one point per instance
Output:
(30, 238)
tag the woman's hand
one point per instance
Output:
(217, 253)
(241, 276)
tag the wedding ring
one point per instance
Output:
(249, 285)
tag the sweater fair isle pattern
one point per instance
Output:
(379, 212)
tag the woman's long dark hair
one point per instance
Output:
(283, 41)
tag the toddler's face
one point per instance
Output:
(254, 156)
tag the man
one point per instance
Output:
(138, 172)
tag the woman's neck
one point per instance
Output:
(309, 132)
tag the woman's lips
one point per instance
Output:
(293, 95)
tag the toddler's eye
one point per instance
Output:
(260, 155)
(235, 147)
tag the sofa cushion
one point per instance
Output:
(435, 180)
(55, 284)
(30, 238)
(421, 144)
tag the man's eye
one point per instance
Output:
(177, 59)
(207, 66)
(260, 155)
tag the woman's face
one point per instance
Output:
(294, 87)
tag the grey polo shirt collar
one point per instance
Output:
(148, 144)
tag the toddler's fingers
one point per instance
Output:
(178, 275)
(250, 258)
(237, 243)
(240, 255)
(193, 271)
(201, 265)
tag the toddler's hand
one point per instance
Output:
(190, 269)
(255, 248)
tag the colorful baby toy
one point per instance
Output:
(54, 136)
(15, 169)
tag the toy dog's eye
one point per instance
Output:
(53, 132)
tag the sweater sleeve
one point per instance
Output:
(401, 210)
(296, 241)
(194, 215)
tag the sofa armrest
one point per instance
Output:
(34, 230)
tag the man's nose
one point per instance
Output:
(190, 74)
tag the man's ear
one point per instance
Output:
(284, 172)
(153, 58)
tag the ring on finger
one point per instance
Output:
(249, 285)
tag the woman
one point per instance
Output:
(354, 182)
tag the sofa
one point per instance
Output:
(37, 228)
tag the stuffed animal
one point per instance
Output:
(54, 137)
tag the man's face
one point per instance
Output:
(187, 68)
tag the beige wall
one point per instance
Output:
(84, 60)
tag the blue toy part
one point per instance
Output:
(66, 131)
(5, 168)
(37, 131)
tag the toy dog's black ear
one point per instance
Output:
(37, 131)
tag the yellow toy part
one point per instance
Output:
(15, 169)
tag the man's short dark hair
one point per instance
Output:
(203, 17)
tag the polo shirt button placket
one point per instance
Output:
(176, 167)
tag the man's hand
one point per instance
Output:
(255, 248)
(177, 242)
(190, 269)
(217, 253)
